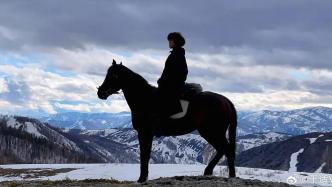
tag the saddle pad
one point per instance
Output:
(184, 105)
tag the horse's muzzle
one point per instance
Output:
(102, 95)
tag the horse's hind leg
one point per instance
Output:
(230, 161)
(209, 168)
(219, 144)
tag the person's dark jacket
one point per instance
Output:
(175, 71)
(172, 81)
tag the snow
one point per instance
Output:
(104, 132)
(13, 123)
(293, 160)
(274, 135)
(328, 140)
(260, 139)
(313, 140)
(27, 126)
(31, 129)
(287, 120)
(319, 170)
(130, 172)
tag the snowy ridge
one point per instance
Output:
(253, 140)
(305, 153)
(32, 129)
(89, 121)
(26, 126)
(295, 122)
(39, 130)
(63, 141)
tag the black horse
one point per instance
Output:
(209, 113)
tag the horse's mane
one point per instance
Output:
(135, 78)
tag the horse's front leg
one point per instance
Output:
(145, 143)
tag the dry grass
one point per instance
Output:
(33, 173)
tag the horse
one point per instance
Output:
(209, 113)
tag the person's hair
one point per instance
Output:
(177, 38)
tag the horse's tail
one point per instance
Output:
(232, 130)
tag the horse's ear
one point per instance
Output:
(113, 63)
(120, 63)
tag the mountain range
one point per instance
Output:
(294, 122)
(295, 140)
(89, 121)
(31, 141)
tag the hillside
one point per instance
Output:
(306, 153)
(185, 149)
(26, 140)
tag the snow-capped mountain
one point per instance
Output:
(36, 129)
(110, 145)
(181, 149)
(295, 122)
(26, 140)
(90, 121)
(306, 153)
(249, 141)
(185, 149)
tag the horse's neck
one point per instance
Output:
(137, 93)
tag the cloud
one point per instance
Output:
(17, 91)
(53, 54)
(33, 89)
(320, 82)
(228, 71)
(114, 106)
(3, 86)
(278, 100)
(283, 33)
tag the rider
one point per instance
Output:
(173, 77)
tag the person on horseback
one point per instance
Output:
(173, 77)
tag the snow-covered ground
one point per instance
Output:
(130, 172)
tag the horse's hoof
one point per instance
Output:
(232, 176)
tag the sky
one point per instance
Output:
(261, 54)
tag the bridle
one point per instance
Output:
(111, 91)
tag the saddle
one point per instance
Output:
(170, 127)
(187, 93)
(190, 90)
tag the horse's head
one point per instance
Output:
(112, 83)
